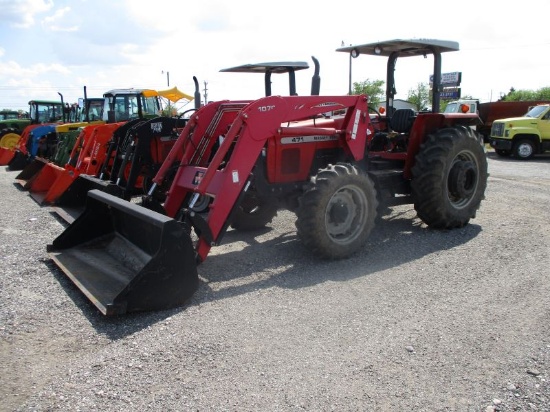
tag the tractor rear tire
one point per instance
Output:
(449, 178)
(254, 213)
(337, 213)
(9, 138)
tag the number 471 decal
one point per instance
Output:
(307, 139)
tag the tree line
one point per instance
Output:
(420, 96)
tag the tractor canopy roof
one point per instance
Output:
(393, 49)
(273, 67)
(269, 68)
(45, 102)
(144, 92)
(174, 94)
(410, 47)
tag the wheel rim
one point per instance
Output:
(525, 150)
(345, 214)
(10, 140)
(463, 179)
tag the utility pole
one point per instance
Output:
(205, 93)
(167, 78)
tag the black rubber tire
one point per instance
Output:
(503, 153)
(524, 149)
(449, 178)
(254, 213)
(336, 215)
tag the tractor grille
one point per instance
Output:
(497, 129)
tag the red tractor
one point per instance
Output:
(252, 158)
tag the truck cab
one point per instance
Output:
(462, 106)
(523, 137)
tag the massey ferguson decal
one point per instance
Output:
(307, 139)
(329, 104)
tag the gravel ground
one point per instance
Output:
(420, 320)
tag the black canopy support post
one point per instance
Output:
(436, 91)
(390, 85)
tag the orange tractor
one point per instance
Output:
(59, 142)
(252, 158)
(46, 181)
(121, 162)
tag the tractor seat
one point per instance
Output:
(402, 120)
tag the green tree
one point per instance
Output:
(420, 97)
(520, 95)
(374, 89)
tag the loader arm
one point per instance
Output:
(201, 127)
(230, 168)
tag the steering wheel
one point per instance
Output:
(377, 121)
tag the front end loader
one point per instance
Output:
(128, 161)
(131, 160)
(86, 157)
(132, 245)
(317, 156)
(90, 157)
(61, 142)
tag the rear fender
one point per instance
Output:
(424, 124)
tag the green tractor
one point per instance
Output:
(12, 123)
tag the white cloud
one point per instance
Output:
(21, 13)
(58, 21)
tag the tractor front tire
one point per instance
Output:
(449, 178)
(336, 215)
(254, 213)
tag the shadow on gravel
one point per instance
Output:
(283, 262)
(395, 241)
(116, 327)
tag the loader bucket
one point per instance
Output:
(42, 181)
(72, 201)
(29, 172)
(126, 258)
(62, 182)
(18, 161)
(6, 155)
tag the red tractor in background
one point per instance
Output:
(255, 157)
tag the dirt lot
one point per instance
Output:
(420, 320)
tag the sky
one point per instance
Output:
(61, 46)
